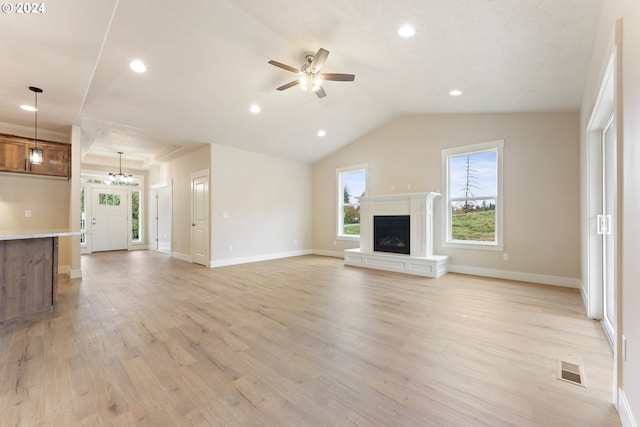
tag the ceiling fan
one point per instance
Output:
(310, 75)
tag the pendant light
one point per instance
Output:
(120, 177)
(35, 153)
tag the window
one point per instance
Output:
(109, 199)
(352, 183)
(135, 216)
(473, 195)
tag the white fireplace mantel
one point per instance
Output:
(421, 260)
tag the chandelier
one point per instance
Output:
(120, 177)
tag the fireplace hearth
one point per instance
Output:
(391, 233)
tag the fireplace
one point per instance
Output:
(391, 233)
(396, 234)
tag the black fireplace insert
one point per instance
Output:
(391, 234)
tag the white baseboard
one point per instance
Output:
(181, 256)
(66, 269)
(335, 254)
(139, 247)
(257, 258)
(626, 416)
(544, 279)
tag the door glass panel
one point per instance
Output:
(609, 201)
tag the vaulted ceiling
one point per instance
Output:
(207, 64)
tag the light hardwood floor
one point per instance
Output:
(144, 339)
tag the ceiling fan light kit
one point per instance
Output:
(309, 72)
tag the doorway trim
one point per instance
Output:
(154, 216)
(608, 103)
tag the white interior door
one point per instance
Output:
(607, 227)
(200, 218)
(109, 219)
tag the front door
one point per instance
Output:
(109, 219)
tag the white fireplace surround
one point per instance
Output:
(421, 261)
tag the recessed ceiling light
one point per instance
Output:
(321, 133)
(138, 66)
(455, 92)
(28, 108)
(255, 109)
(406, 31)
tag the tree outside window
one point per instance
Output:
(351, 185)
(135, 216)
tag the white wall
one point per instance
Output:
(541, 186)
(629, 134)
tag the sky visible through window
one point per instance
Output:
(355, 183)
(483, 175)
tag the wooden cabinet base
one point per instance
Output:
(28, 277)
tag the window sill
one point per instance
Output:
(474, 246)
(349, 238)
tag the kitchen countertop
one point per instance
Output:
(36, 233)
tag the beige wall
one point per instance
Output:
(46, 198)
(629, 140)
(268, 202)
(178, 171)
(541, 184)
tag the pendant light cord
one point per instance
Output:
(36, 121)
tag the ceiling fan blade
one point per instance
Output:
(288, 85)
(284, 66)
(338, 77)
(320, 92)
(319, 59)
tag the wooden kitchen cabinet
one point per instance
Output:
(56, 159)
(14, 157)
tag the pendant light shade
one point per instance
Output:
(36, 154)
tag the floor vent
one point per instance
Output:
(570, 372)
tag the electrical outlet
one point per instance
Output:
(505, 256)
(230, 248)
(27, 213)
(295, 242)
